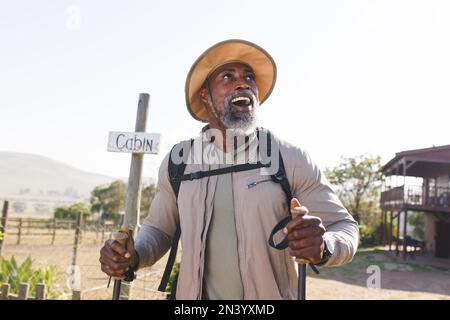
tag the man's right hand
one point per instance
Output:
(116, 260)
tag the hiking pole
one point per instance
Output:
(296, 211)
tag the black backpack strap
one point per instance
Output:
(175, 172)
(240, 167)
(281, 178)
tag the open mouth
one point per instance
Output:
(242, 103)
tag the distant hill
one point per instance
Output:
(30, 174)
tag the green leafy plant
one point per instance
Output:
(14, 274)
(417, 220)
(173, 277)
(71, 212)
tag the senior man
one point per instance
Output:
(227, 213)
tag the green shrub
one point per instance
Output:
(369, 235)
(173, 277)
(417, 220)
(14, 274)
(71, 212)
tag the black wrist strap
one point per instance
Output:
(130, 275)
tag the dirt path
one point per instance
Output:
(412, 284)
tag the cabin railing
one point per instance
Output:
(416, 195)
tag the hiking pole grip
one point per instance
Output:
(296, 211)
(121, 237)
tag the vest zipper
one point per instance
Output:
(203, 239)
(253, 184)
(237, 235)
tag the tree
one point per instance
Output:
(357, 182)
(109, 200)
(19, 206)
(147, 195)
(72, 211)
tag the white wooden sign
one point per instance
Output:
(133, 142)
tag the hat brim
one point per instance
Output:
(228, 51)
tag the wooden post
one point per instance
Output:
(54, 230)
(75, 247)
(103, 230)
(435, 193)
(40, 291)
(385, 230)
(133, 197)
(23, 291)
(80, 236)
(76, 239)
(19, 233)
(3, 223)
(96, 226)
(405, 247)
(398, 233)
(390, 229)
(76, 295)
(5, 292)
(381, 226)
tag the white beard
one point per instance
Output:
(239, 126)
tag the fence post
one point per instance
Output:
(5, 292)
(19, 234)
(81, 225)
(103, 230)
(40, 291)
(75, 248)
(54, 230)
(23, 291)
(77, 238)
(76, 295)
(96, 226)
(3, 224)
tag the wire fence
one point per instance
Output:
(64, 255)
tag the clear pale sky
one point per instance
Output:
(353, 76)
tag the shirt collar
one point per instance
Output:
(246, 149)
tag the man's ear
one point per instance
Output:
(204, 95)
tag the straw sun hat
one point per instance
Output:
(222, 53)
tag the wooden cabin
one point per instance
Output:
(417, 180)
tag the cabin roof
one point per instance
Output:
(426, 162)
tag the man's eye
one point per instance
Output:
(250, 77)
(227, 76)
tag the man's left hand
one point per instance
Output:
(305, 235)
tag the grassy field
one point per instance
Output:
(423, 277)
